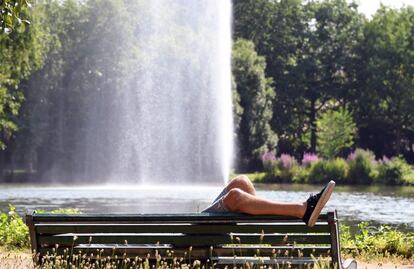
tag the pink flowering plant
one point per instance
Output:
(287, 161)
(268, 160)
(286, 166)
(362, 167)
(309, 158)
(352, 156)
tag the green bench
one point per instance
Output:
(222, 239)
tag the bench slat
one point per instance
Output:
(166, 218)
(184, 240)
(185, 228)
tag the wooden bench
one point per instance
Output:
(223, 239)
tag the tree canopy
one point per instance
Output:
(292, 61)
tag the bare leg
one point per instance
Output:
(241, 197)
(237, 200)
(243, 183)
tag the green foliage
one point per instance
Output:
(395, 171)
(292, 60)
(336, 131)
(383, 103)
(284, 168)
(256, 96)
(309, 48)
(22, 52)
(84, 66)
(257, 177)
(11, 12)
(60, 211)
(302, 174)
(362, 167)
(325, 170)
(383, 240)
(13, 231)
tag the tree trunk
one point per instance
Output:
(312, 122)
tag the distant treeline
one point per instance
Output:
(297, 63)
(294, 65)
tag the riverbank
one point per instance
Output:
(361, 167)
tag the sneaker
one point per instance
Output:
(316, 202)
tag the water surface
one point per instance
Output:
(379, 204)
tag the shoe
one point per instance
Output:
(316, 202)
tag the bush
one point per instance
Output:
(283, 168)
(286, 166)
(268, 161)
(384, 240)
(362, 167)
(325, 170)
(13, 231)
(309, 158)
(301, 174)
(395, 171)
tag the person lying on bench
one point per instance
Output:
(240, 196)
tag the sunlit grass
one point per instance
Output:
(256, 177)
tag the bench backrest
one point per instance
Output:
(201, 236)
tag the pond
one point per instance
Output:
(378, 204)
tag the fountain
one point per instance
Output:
(181, 129)
(169, 120)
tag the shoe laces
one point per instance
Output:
(313, 198)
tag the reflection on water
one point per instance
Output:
(383, 204)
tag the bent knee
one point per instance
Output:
(242, 182)
(233, 199)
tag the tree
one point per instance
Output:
(335, 130)
(310, 50)
(84, 68)
(11, 13)
(22, 52)
(256, 95)
(276, 28)
(383, 104)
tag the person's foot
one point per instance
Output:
(316, 202)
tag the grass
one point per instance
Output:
(256, 177)
(156, 261)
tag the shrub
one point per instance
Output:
(13, 231)
(362, 167)
(309, 158)
(395, 171)
(284, 168)
(268, 160)
(301, 174)
(335, 132)
(325, 170)
(384, 240)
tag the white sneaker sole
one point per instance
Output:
(321, 203)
